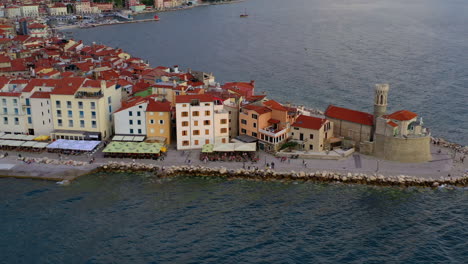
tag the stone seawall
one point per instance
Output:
(316, 176)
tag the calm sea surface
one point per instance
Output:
(129, 218)
(313, 52)
(321, 52)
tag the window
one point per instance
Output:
(161, 131)
(81, 114)
(184, 123)
(207, 113)
(196, 132)
(70, 114)
(254, 124)
(243, 131)
(195, 102)
(5, 120)
(93, 115)
(80, 105)
(69, 104)
(16, 111)
(5, 111)
(93, 105)
(184, 114)
(161, 122)
(184, 105)
(130, 113)
(207, 104)
(138, 122)
(27, 101)
(296, 128)
(109, 100)
(254, 134)
(15, 102)
(151, 113)
(254, 116)
(93, 124)
(206, 122)
(195, 113)
(81, 123)
(59, 122)
(223, 140)
(311, 147)
(196, 143)
(185, 143)
(184, 132)
(223, 130)
(131, 130)
(152, 130)
(207, 131)
(151, 121)
(139, 131)
(4, 102)
(161, 113)
(223, 121)
(110, 108)
(130, 122)
(243, 121)
(138, 113)
(16, 121)
(311, 136)
(28, 111)
(29, 120)
(195, 123)
(70, 123)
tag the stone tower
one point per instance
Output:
(380, 100)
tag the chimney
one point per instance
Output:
(176, 68)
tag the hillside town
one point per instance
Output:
(16, 9)
(60, 94)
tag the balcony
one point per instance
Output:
(273, 132)
(89, 95)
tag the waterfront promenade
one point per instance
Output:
(442, 165)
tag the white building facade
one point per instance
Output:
(200, 120)
(131, 119)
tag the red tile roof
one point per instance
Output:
(39, 82)
(402, 115)
(274, 121)
(157, 106)
(259, 109)
(391, 123)
(41, 95)
(132, 102)
(10, 94)
(68, 86)
(349, 115)
(36, 26)
(189, 98)
(275, 105)
(309, 122)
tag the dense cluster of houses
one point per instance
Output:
(14, 9)
(68, 90)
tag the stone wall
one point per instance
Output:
(403, 149)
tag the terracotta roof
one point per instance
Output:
(68, 86)
(39, 82)
(349, 115)
(309, 122)
(156, 106)
(10, 94)
(275, 105)
(259, 109)
(189, 98)
(274, 121)
(391, 123)
(402, 115)
(41, 95)
(132, 102)
(36, 26)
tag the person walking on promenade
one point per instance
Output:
(272, 165)
(305, 164)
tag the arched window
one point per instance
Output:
(381, 99)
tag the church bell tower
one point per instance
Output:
(380, 100)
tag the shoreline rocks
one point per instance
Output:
(259, 174)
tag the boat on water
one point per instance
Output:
(156, 18)
(244, 14)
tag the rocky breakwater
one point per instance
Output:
(265, 175)
(46, 160)
(449, 145)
